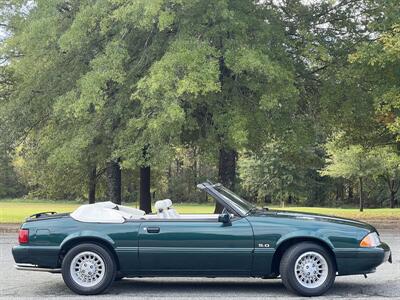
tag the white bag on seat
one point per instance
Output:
(165, 210)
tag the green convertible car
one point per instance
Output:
(99, 243)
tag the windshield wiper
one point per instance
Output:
(255, 208)
(251, 210)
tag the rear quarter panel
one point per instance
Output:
(49, 237)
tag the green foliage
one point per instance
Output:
(276, 172)
(209, 83)
(355, 162)
(351, 162)
(379, 63)
(10, 185)
(169, 83)
(388, 162)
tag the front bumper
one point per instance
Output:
(361, 260)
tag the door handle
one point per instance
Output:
(153, 229)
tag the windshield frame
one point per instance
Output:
(228, 198)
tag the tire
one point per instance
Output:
(315, 269)
(88, 269)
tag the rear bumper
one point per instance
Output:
(42, 256)
(361, 260)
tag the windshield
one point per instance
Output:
(234, 200)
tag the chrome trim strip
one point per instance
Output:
(188, 250)
(126, 249)
(36, 268)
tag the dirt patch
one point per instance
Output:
(9, 228)
(385, 224)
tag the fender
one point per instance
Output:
(90, 234)
(298, 234)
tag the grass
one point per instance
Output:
(16, 210)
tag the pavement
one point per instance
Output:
(385, 283)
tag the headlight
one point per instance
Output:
(371, 240)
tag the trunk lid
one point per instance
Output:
(45, 215)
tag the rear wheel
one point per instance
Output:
(88, 269)
(307, 269)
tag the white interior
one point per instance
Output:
(108, 212)
(165, 210)
(186, 217)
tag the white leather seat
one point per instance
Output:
(133, 212)
(165, 210)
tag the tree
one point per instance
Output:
(75, 64)
(388, 167)
(377, 62)
(353, 162)
(10, 185)
(92, 91)
(145, 197)
(280, 171)
(332, 95)
(222, 74)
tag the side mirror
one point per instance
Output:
(225, 219)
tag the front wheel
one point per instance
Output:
(307, 269)
(88, 269)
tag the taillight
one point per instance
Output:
(23, 236)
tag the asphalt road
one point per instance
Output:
(385, 283)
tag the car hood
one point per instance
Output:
(307, 217)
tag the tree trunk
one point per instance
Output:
(169, 179)
(226, 171)
(343, 193)
(339, 193)
(92, 185)
(361, 194)
(350, 193)
(145, 197)
(393, 188)
(114, 181)
(195, 166)
(392, 199)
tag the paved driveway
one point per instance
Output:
(17, 284)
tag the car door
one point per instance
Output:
(198, 247)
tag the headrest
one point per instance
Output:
(160, 205)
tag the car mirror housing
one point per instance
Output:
(225, 218)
